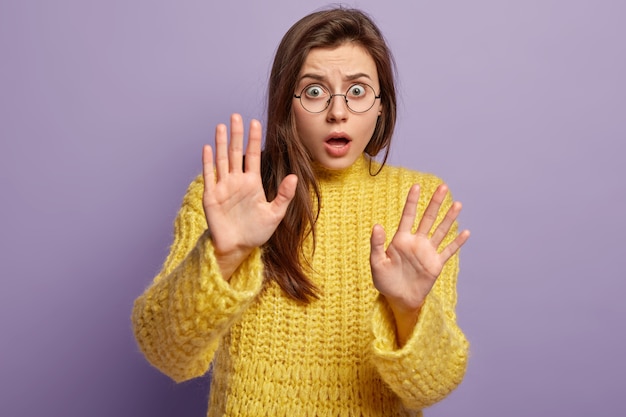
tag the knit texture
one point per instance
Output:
(273, 356)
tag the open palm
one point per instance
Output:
(407, 270)
(235, 205)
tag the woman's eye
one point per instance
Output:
(314, 91)
(356, 91)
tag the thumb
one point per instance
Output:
(377, 244)
(286, 192)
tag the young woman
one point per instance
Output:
(304, 273)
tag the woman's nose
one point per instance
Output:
(337, 108)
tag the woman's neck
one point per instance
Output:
(360, 167)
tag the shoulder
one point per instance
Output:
(406, 177)
(400, 180)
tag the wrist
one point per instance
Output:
(405, 318)
(229, 257)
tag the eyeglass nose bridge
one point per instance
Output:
(345, 99)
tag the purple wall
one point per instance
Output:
(104, 107)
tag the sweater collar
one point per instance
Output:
(359, 169)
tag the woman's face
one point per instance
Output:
(337, 136)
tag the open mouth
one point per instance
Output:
(337, 142)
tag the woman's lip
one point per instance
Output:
(337, 142)
(338, 135)
(337, 149)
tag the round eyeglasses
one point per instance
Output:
(359, 98)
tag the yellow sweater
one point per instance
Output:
(273, 356)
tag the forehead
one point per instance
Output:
(343, 60)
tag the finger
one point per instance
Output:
(286, 192)
(377, 245)
(446, 224)
(235, 149)
(253, 151)
(430, 215)
(221, 156)
(410, 210)
(455, 245)
(207, 168)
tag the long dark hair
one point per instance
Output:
(284, 153)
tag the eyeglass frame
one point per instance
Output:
(345, 98)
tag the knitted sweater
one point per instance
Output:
(273, 356)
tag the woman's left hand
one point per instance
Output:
(406, 272)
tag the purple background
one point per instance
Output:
(104, 107)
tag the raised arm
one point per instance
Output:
(406, 271)
(418, 347)
(211, 274)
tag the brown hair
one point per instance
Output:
(284, 153)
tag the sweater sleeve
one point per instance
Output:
(433, 361)
(180, 317)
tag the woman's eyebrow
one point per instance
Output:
(358, 75)
(349, 77)
(315, 77)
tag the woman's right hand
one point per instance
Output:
(238, 214)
